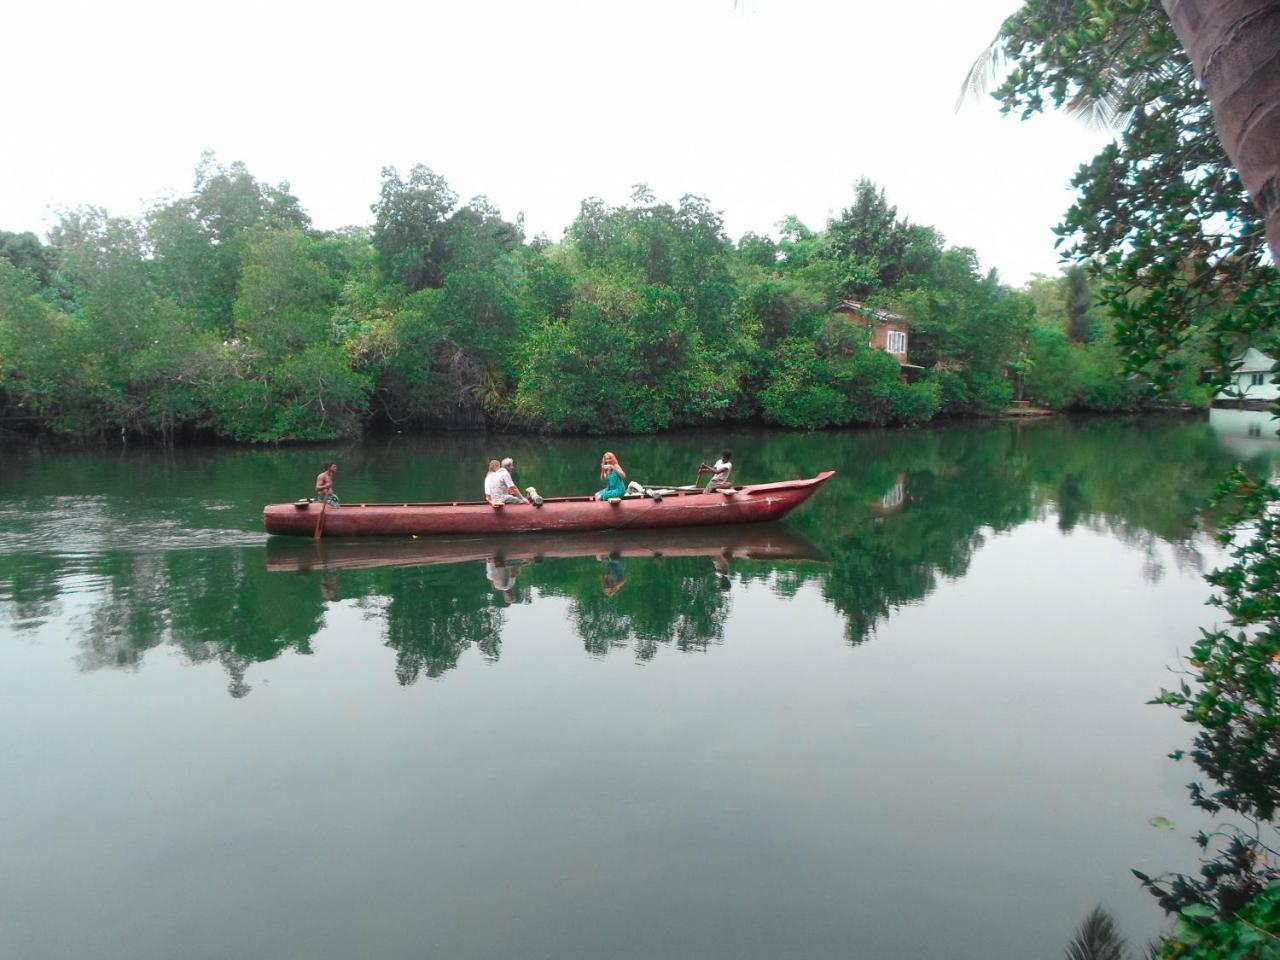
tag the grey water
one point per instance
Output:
(908, 722)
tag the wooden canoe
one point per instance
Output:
(773, 542)
(756, 503)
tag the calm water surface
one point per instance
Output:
(909, 722)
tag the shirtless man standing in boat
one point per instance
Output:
(324, 484)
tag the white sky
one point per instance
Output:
(766, 107)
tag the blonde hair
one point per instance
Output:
(493, 465)
(610, 459)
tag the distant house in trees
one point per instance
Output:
(1251, 384)
(888, 331)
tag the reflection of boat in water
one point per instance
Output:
(756, 503)
(767, 542)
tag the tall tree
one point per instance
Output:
(26, 252)
(1160, 214)
(409, 228)
(197, 242)
(1235, 47)
(1079, 298)
(874, 249)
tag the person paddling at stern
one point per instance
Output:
(614, 477)
(720, 471)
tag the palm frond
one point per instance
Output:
(1097, 939)
(986, 69)
(1111, 105)
(1102, 111)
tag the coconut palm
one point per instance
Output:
(1235, 48)
(1098, 938)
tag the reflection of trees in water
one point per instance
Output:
(952, 494)
(1140, 480)
(906, 510)
(674, 601)
(132, 616)
(30, 588)
(217, 606)
(432, 618)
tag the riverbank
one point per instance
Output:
(207, 438)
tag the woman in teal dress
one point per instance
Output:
(614, 477)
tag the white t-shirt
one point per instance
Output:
(496, 484)
(499, 575)
(720, 470)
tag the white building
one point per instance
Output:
(1251, 381)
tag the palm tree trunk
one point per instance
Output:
(1235, 48)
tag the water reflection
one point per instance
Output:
(1249, 434)
(907, 511)
(508, 553)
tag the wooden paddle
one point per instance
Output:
(324, 505)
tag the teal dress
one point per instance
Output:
(613, 487)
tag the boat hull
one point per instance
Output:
(758, 503)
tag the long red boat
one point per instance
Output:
(756, 503)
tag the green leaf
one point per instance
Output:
(1198, 910)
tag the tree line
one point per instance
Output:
(226, 313)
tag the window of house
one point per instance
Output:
(1255, 379)
(896, 342)
(897, 493)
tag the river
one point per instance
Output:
(909, 722)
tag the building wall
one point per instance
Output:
(1252, 379)
(1244, 383)
(880, 338)
(879, 328)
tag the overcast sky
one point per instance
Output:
(766, 107)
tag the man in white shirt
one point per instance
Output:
(499, 487)
(720, 471)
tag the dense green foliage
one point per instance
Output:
(1161, 217)
(1249, 935)
(1232, 696)
(225, 312)
(1179, 255)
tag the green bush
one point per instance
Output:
(314, 395)
(1251, 934)
(812, 389)
(953, 392)
(988, 392)
(1053, 378)
(625, 360)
